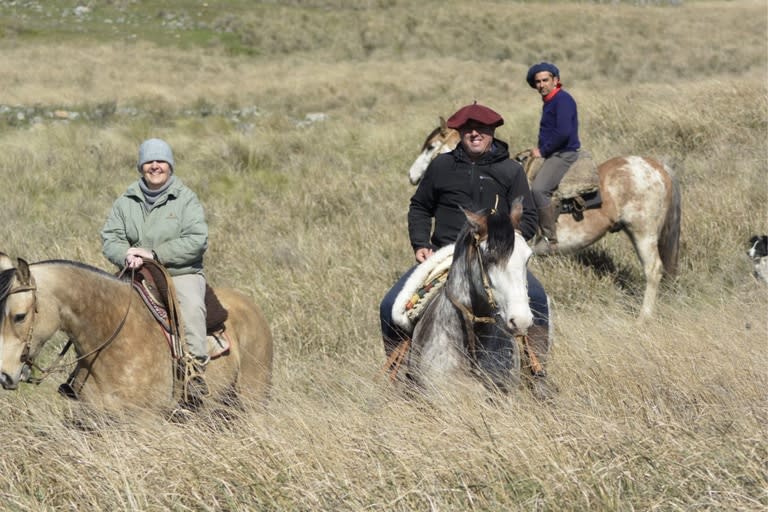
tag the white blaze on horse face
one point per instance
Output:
(510, 287)
(2, 332)
(419, 166)
(14, 332)
(442, 140)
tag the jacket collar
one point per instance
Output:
(499, 151)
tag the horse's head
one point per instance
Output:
(498, 262)
(18, 308)
(441, 140)
(504, 258)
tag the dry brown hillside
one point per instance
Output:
(296, 122)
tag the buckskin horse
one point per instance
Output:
(640, 197)
(121, 349)
(472, 328)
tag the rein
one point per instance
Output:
(28, 340)
(470, 318)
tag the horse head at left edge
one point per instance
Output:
(17, 302)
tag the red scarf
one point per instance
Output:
(551, 95)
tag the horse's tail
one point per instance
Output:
(669, 238)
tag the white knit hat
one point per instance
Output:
(155, 149)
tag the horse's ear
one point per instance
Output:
(478, 222)
(522, 156)
(516, 211)
(22, 272)
(5, 262)
(443, 124)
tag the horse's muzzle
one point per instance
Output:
(8, 382)
(11, 382)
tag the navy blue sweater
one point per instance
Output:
(559, 127)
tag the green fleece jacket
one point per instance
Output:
(175, 228)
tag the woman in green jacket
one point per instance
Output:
(159, 218)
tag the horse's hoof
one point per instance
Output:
(180, 415)
(66, 390)
(543, 389)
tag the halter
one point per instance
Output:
(30, 361)
(28, 339)
(469, 317)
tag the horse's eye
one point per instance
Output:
(19, 317)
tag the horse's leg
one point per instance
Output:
(250, 356)
(256, 359)
(435, 358)
(575, 235)
(646, 247)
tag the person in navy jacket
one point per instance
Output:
(558, 144)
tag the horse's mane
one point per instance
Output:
(501, 235)
(463, 242)
(77, 264)
(6, 279)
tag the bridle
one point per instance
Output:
(470, 319)
(28, 338)
(29, 360)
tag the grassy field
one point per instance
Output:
(296, 122)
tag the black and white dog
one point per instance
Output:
(758, 252)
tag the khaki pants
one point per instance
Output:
(549, 176)
(190, 292)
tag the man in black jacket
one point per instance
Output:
(471, 177)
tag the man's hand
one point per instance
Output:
(423, 253)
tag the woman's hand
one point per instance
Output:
(135, 256)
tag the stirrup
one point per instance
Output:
(195, 388)
(545, 246)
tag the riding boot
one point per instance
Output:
(389, 345)
(548, 225)
(542, 388)
(396, 351)
(197, 387)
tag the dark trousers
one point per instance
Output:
(393, 335)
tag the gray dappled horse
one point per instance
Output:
(469, 328)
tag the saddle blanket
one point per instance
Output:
(420, 288)
(581, 178)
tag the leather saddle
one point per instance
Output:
(579, 190)
(151, 284)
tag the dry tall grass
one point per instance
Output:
(309, 218)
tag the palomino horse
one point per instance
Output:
(470, 325)
(122, 352)
(639, 196)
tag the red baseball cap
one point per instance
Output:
(475, 112)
